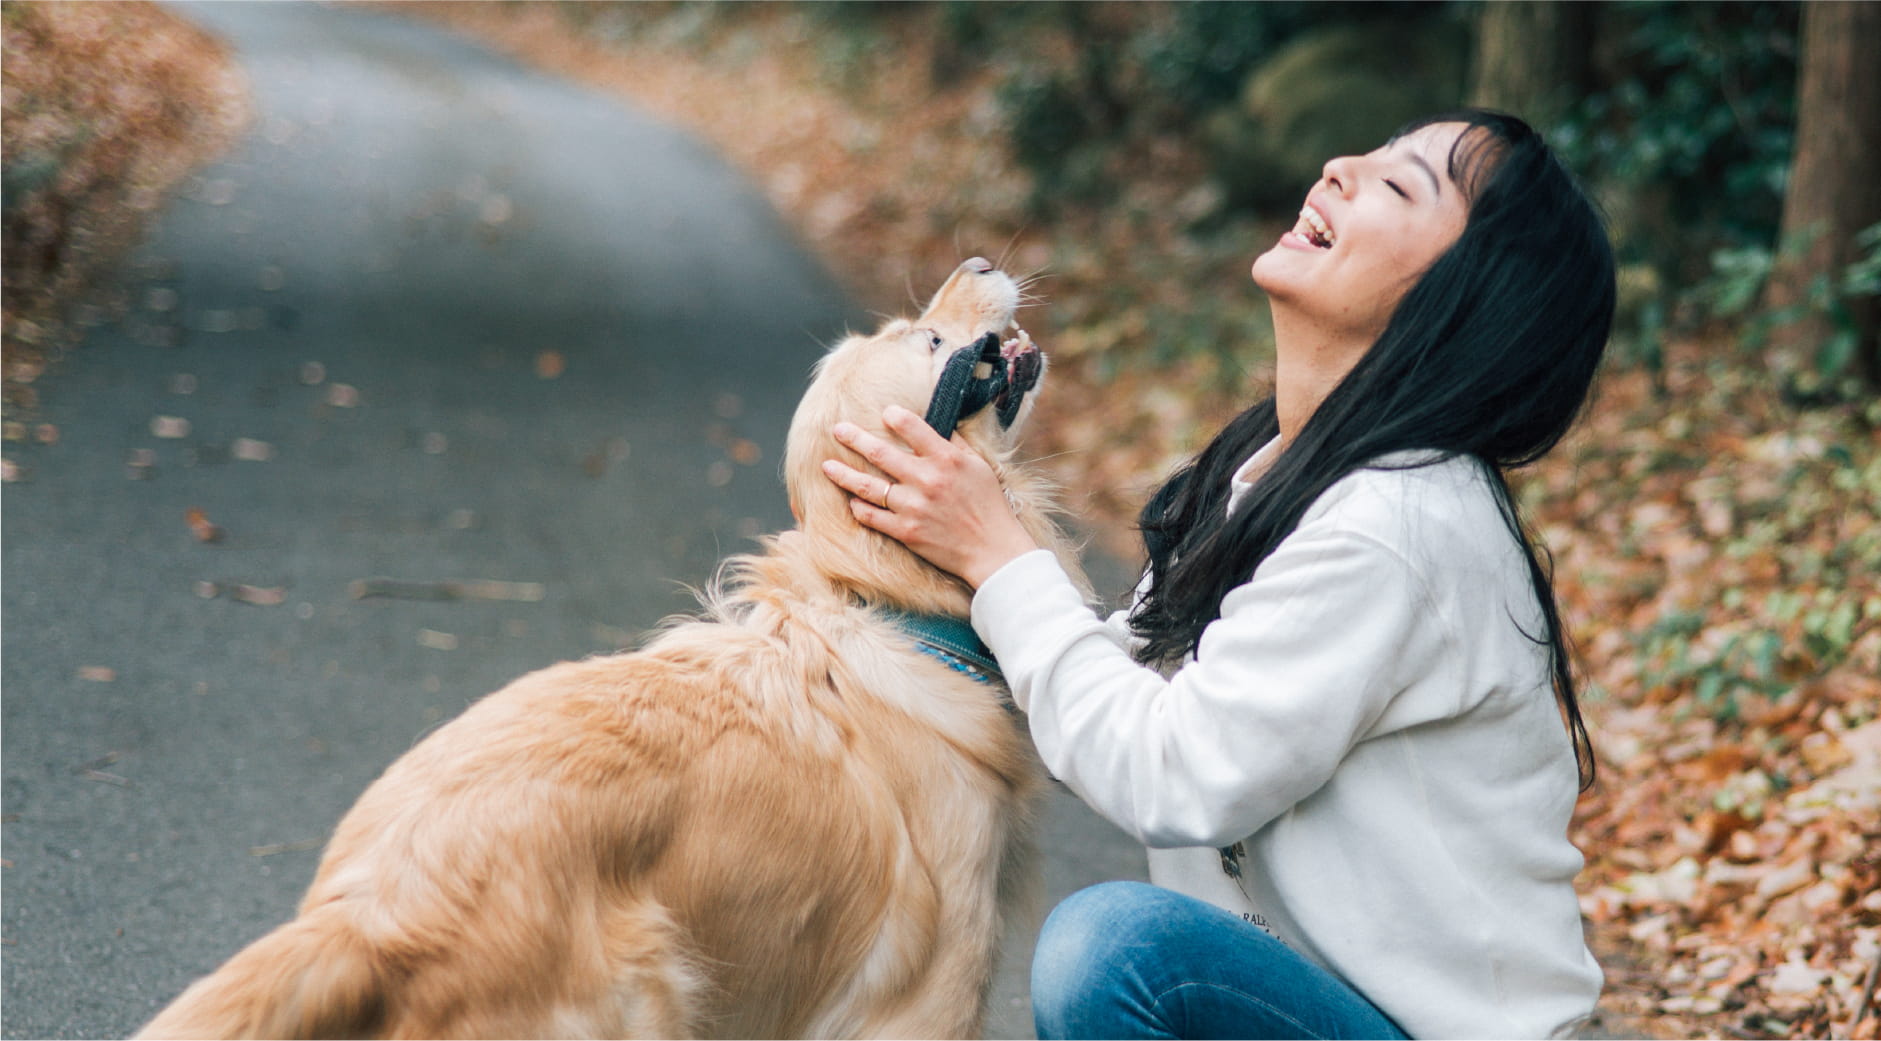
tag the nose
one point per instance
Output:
(1341, 174)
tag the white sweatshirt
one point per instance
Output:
(1369, 720)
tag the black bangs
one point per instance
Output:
(1478, 151)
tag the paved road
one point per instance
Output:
(436, 317)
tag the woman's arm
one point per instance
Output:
(1306, 660)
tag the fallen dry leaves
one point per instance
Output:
(107, 107)
(201, 528)
(1717, 554)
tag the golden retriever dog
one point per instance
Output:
(782, 818)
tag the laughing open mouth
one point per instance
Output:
(1313, 228)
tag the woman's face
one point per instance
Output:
(1369, 228)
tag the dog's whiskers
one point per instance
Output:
(1012, 243)
(1049, 458)
(1029, 282)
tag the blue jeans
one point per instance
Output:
(1128, 960)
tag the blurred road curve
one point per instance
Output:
(437, 317)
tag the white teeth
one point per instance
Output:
(1317, 223)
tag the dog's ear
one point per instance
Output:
(808, 443)
(842, 387)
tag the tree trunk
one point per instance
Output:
(1835, 177)
(1532, 58)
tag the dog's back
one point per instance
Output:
(727, 834)
(779, 820)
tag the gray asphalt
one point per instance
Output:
(437, 317)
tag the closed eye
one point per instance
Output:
(1393, 185)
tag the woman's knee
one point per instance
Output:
(1096, 917)
(1089, 944)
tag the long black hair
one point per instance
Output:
(1490, 355)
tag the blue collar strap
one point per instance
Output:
(951, 640)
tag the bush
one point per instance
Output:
(107, 107)
(1734, 289)
(1335, 90)
(1082, 84)
(1687, 143)
(1698, 111)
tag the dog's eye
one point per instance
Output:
(934, 343)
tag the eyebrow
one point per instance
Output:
(1435, 183)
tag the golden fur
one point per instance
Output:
(776, 820)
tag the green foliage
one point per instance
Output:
(1800, 634)
(1199, 60)
(1057, 126)
(1671, 654)
(1734, 288)
(1334, 90)
(1700, 111)
(1688, 142)
(1787, 592)
(1134, 72)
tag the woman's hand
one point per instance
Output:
(942, 501)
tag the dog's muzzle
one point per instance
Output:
(960, 394)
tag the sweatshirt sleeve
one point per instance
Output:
(1305, 661)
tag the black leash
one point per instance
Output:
(958, 394)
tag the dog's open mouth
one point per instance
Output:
(1023, 368)
(1012, 370)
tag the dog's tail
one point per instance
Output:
(313, 977)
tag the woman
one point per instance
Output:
(1340, 712)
